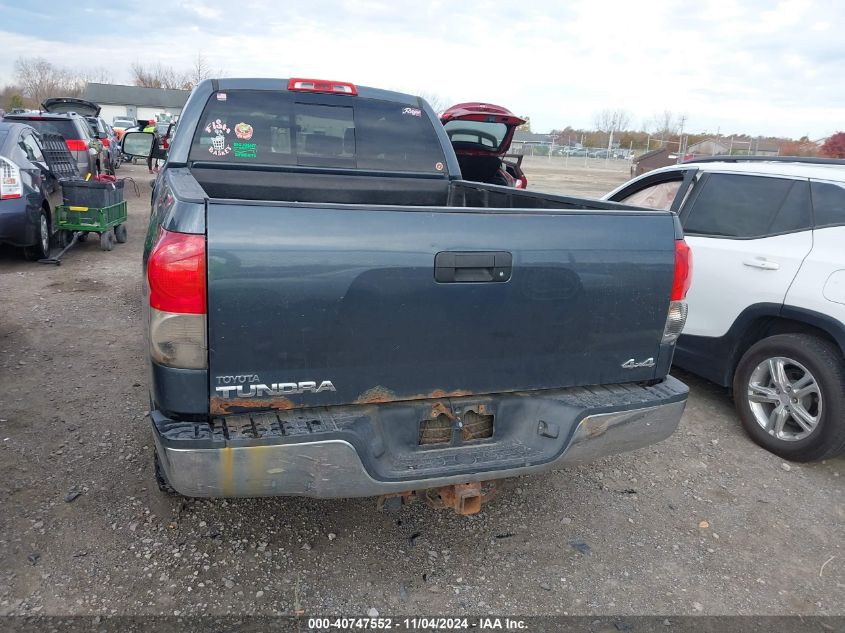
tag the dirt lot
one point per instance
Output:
(703, 523)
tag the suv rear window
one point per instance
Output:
(738, 205)
(317, 130)
(828, 203)
(65, 127)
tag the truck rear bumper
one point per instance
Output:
(369, 450)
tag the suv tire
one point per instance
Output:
(789, 392)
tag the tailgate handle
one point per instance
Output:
(472, 266)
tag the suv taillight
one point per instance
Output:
(10, 180)
(677, 317)
(176, 277)
(77, 145)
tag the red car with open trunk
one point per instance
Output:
(481, 134)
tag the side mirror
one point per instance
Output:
(137, 144)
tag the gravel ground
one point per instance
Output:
(704, 522)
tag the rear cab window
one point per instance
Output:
(281, 128)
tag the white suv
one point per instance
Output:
(767, 302)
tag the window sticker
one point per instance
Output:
(245, 150)
(219, 145)
(412, 111)
(438, 166)
(221, 96)
(243, 131)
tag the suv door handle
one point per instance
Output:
(761, 262)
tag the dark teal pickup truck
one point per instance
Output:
(333, 312)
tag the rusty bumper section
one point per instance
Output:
(372, 450)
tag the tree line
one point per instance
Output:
(36, 79)
(666, 129)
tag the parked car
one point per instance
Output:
(767, 311)
(29, 191)
(58, 118)
(438, 333)
(87, 110)
(107, 136)
(120, 125)
(481, 135)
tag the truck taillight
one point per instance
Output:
(176, 277)
(683, 271)
(677, 317)
(10, 180)
(322, 85)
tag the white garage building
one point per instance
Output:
(135, 102)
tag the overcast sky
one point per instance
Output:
(756, 66)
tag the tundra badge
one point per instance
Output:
(274, 389)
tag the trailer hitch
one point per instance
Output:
(462, 498)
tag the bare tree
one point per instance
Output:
(100, 75)
(201, 70)
(610, 121)
(665, 125)
(159, 76)
(40, 79)
(437, 102)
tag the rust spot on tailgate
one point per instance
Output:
(439, 393)
(223, 406)
(380, 394)
(376, 395)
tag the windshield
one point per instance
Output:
(487, 135)
(123, 123)
(283, 128)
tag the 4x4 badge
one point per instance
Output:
(632, 364)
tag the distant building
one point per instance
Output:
(708, 147)
(523, 142)
(135, 102)
(762, 147)
(662, 157)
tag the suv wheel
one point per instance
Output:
(41, 249)
(789, 391)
